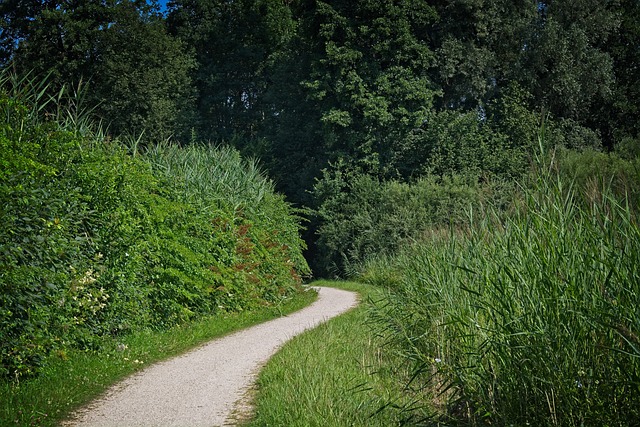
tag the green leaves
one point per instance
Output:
(139, 75)
(370, 76)
(96, 243)
(362, 217)
(145, 74)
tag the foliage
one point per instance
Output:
(530, 317)
(618, 119)
(233, 42)
(394, 89)
(264, 228)
(451, 163)
(138, 74)
(370, 77)
(73, 378)
(362, 216)
(98, 243)
(597, 173)
(145, 87)
(567, 66)
(454, 142)
(303, 84)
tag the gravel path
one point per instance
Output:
(205, 386)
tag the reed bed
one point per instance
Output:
(531, 318)
(213, 173)
(217, 178)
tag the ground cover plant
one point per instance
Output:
(335, 375)
(98, 242)
(528, 317)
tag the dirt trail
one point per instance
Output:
(205, 386)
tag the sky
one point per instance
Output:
(163, 5)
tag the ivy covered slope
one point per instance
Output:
(97, 243)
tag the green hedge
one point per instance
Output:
(97, 243)
(526, 317)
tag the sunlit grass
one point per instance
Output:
(71, 380)
(530, 318)
(207, 171)
(334, 375)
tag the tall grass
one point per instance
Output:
(98, 243)
(216, 178)
(208, 173)
(67, 106)
(527, 319)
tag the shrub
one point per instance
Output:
(96, 243)
(362, 216)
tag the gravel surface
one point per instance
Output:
(205, 386)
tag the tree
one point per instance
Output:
(476, 43)
(142, 81)
(619, 117)
(371, 78)
(558, 51)
(16, 17)
(233, 41)
(137, 74)
(566, 66)
(291, 136)
(54, 37)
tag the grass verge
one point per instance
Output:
(71, 380)
(333, 375)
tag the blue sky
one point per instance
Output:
(163, 4)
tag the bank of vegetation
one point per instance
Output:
(476, 160)
(527, 316)
(98, 241)
(519, 313)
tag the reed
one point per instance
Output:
(66, 106)
(530, 318)
(213, 173)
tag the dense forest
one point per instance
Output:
(321, 91)
(420, 143)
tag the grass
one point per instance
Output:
(334, 375)
(72, 380)
(530, 318)
(207, 172)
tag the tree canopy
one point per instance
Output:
(394, 89)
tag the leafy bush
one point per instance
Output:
(41, 239)
(453, 161)
(96, 243)
(251, 233)
(362, 216)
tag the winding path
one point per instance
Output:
(205, 386)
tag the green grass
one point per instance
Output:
(208, 173)
(530, 318)
(71, 380)
(333, 375)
